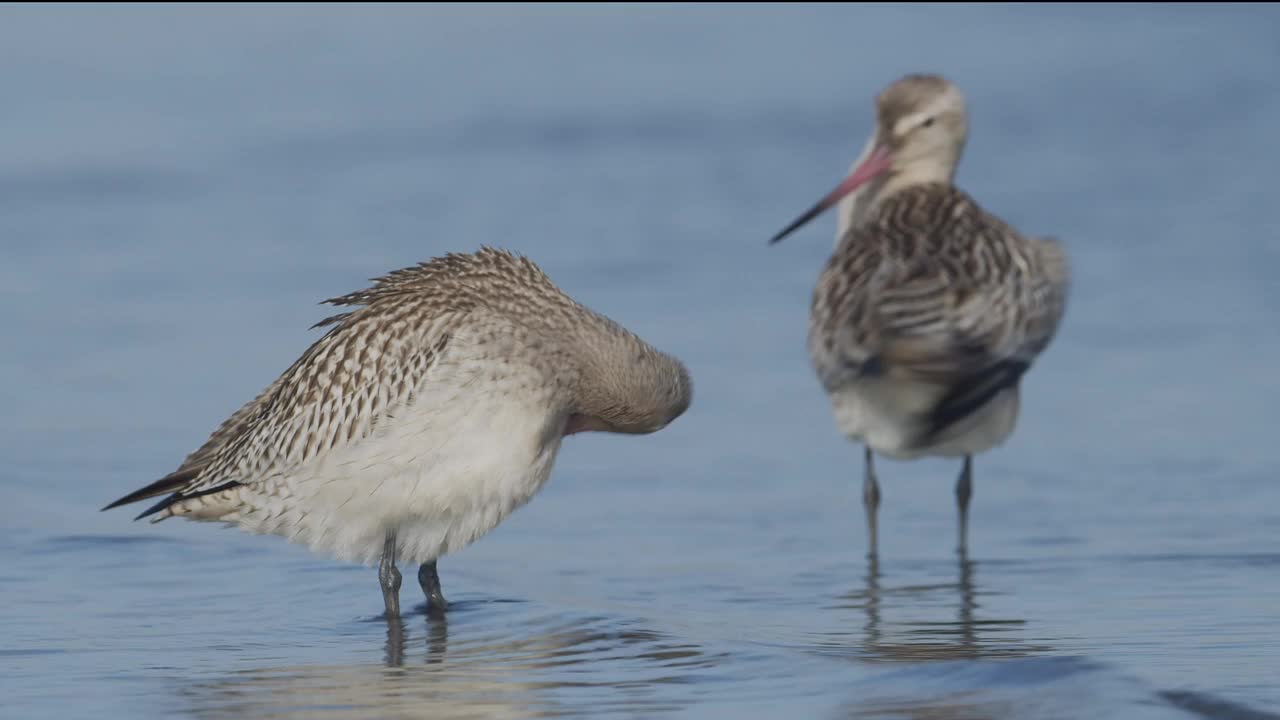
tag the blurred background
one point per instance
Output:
(180, 186)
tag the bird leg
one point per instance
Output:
(871, 501)
(389, 577)
(430, 582)
(964, 491)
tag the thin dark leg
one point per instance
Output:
(430, 582)
(389, 577)
(871, 501)
(964, 491)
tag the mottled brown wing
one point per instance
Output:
(335, 394)
(369, 364)
(974, 331)
(933, 289)
(934, 323)
(341, 388)
(228, 430)
(188, 473)
(956, 290)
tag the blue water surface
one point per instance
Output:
(180, 187)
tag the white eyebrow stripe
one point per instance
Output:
(908, 122)
(943, 103)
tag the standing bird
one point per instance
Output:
(931, 309)
(424, 417)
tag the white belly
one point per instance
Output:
(884, 415)
(442, 473)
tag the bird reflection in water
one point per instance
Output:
(475, 664)
(927, 638)
(437, 640)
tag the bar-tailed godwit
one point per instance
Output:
(931, 309)
(423, 417)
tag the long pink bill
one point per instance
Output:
(878, 162)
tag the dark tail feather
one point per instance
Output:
(179, 496)
(969, 396)
(160, 506)
(170, 483)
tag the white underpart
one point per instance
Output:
(884, 414)
(477, 442)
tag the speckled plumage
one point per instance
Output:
(432, 409)
(931, 309)
(931, 291)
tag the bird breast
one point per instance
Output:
(476, 442)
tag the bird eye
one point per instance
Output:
(927, 122)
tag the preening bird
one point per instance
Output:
(423, 417)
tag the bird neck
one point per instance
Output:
(861, 204)
(924, 171)
(856, 205)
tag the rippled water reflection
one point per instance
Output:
(927, 622)
(490, 675)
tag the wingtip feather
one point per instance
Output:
(168, 484)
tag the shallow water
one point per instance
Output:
(179, 187)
